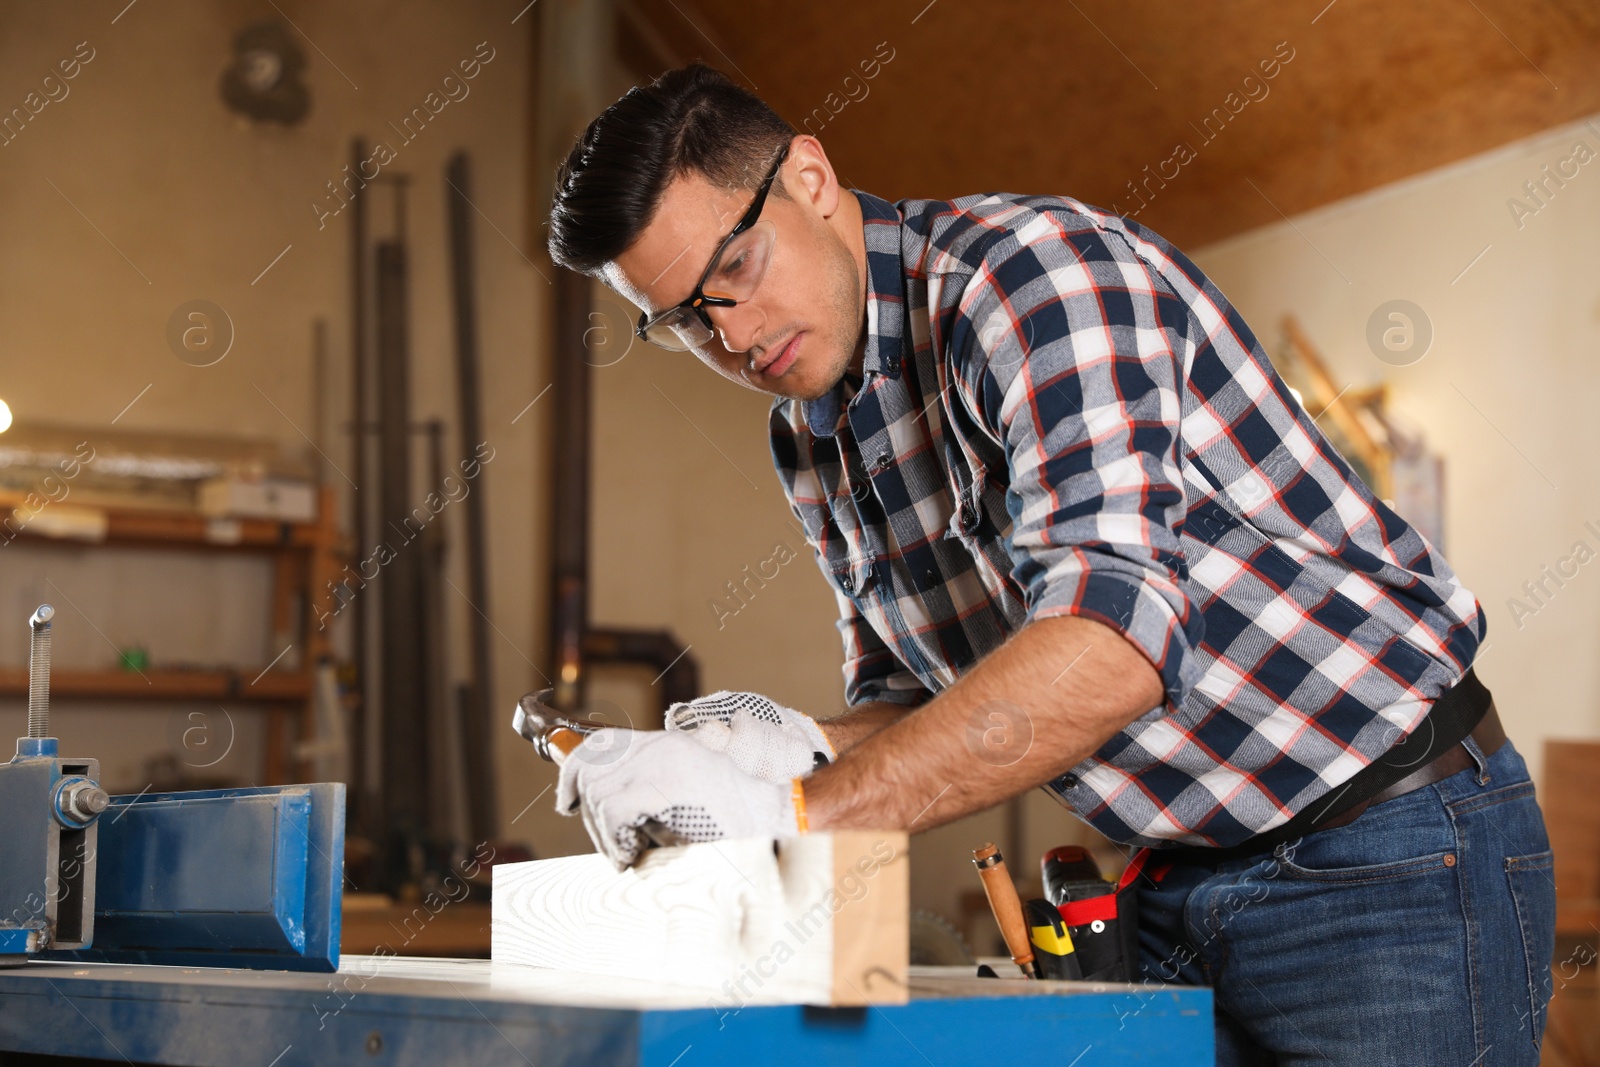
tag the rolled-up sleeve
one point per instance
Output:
(1068, 352)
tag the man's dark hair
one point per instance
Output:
(692, 119)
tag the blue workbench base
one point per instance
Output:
(398, 1012)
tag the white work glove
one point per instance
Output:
(764, 739)
(635, 788)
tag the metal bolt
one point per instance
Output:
(87, 801)
(39, 672)
(79, 802)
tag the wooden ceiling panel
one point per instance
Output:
(1080, 98)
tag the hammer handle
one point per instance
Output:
(562, 741)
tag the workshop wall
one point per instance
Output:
(138, 190)
(1505, 394)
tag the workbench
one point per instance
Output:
(434, 1012)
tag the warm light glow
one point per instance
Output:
(5, 417)
(1298, 399)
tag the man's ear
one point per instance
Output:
(811, 181)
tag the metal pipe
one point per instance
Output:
(39, 671)
(404, 779)
(569, 541)
(575, 38)
(477, 714)
(360, 782)
(677, 671)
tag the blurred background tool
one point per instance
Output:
(1070, 874)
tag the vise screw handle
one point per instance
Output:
(39, 671)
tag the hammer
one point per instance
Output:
(553, 734)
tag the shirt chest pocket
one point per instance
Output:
(972, 494)
(854, 575)
(979, 527)
(834, 527)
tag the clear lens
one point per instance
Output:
(678, 332)
(742, 264)
(736, 276)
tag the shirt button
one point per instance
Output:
(1069, 781)
(931, 576)
(883, 461)
(848, 580)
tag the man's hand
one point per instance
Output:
(763, 738)
(637, 788)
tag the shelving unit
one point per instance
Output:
(306, 557)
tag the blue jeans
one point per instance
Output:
(1420, 934)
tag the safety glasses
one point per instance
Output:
(732, 277)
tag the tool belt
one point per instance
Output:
(1104, 928)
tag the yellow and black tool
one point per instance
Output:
(1053, 953)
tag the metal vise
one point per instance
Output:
(48, 842)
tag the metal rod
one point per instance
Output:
(39, 672)
(360, 782)
(478, 715)
(569, 504)
(446, 816)
(405, 791)
(676, 669)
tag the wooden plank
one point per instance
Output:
(820, 919)
(459, 929)
(1570, 798)
(243, 684)
(152, 527)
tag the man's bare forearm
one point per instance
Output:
(850, 729)
(1030, 711)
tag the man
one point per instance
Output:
(1082, 536)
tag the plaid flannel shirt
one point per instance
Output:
(1059, 414)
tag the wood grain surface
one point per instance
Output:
(819, 919)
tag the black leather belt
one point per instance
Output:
(1489, 735)
(1434, 748)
